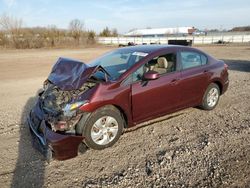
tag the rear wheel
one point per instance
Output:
(103, 128)
(211, 97)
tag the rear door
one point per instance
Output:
(155, 97)
(194, 77)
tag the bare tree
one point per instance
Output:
(114, 32)
(12, 26)
(91, 37)
(76, 28)
(105, 32)
(52, 34)
(3, 39)
(12, 33)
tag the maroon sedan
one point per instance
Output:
(93, 103)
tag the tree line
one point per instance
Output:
(14, 34)
(241, 29)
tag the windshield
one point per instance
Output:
(117, 62)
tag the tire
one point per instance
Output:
(49, 155)
(211, 97)
(102, 128)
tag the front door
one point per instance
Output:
(153, 98)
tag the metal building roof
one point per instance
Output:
(159, 31)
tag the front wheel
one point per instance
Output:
(103, 128)
(211, 97)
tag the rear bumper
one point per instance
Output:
(62, 146)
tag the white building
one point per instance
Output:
(161, 32)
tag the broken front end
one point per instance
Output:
(54, 118)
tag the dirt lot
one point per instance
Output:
(190, 148)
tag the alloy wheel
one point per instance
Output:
(212, 97)
(104, 130)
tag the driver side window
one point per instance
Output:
(162, 64)
(138, 74)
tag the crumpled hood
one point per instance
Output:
(68, 74)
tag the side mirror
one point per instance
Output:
(151, 75)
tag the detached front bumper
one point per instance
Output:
(62, 146)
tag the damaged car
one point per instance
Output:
(93, 103)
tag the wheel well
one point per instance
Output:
(220, 85)
(85, 116)
(123, 115)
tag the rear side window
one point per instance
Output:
(192, 59)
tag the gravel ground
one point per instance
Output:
(190, 148)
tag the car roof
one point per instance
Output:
(150, 48)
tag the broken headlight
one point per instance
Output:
(70, 109)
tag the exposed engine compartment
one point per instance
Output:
(54, 100)
(64, 92)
